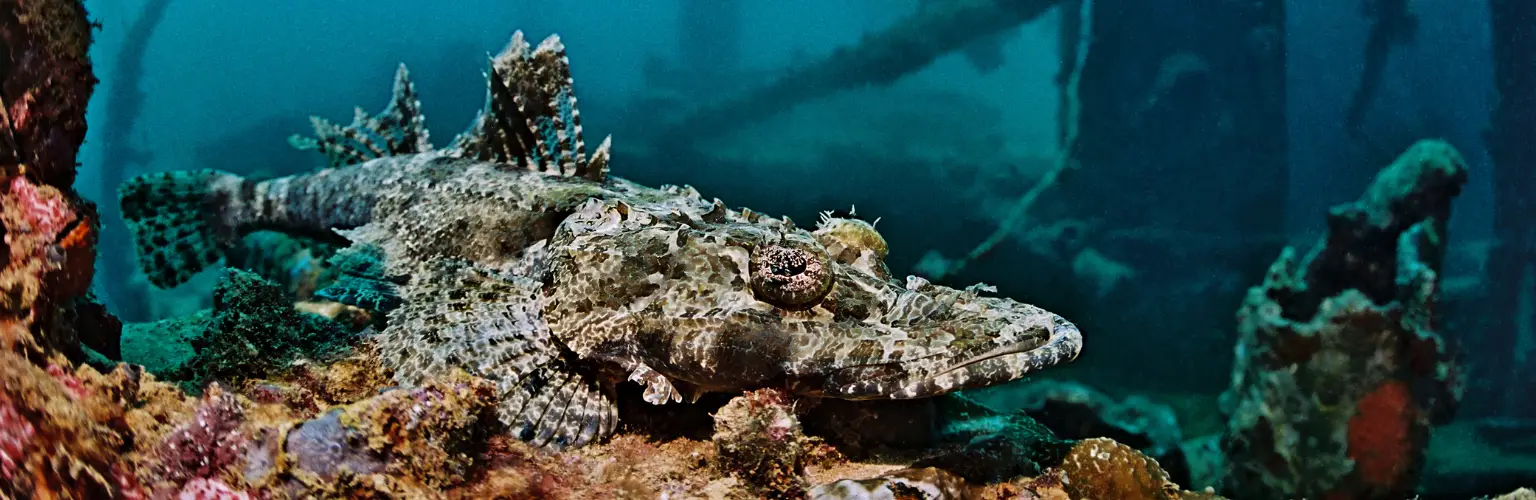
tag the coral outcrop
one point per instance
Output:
(49, 232)
(402, 443)
(46, 86)
(1340, 370)
(50, 243)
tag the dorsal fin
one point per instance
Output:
(530, 118)
(399, 129)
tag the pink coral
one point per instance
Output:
(210, 489)
(199, 448)
(74, 385)
(47, 214)
(15, 433)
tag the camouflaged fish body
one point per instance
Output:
(512, 254)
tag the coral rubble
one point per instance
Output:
(1340, 369)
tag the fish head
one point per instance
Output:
(733, 300)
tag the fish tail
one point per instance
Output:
(182, 222)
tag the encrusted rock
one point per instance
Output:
(57, 438)
(758, 439)
(203, 446)
(926, 484)
(1340, 369)
(404, 440)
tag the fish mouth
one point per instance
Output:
(1000, 365)
(1008, 350)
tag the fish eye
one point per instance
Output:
(790, 276)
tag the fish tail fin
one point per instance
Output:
(181, 222)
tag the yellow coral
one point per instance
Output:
(1101, 468)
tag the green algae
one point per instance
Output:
(253, 331)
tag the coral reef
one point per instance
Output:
(402, 442)
(344, 438)
(202, 447)
(879, 58)
(1340, 371)
(50, 243)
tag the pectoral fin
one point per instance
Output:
(658, 390)
(458, 316)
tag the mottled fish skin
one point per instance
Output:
(513, 255)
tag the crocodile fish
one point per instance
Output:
(512, 254)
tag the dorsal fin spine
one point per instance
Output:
(530, 119)
(399, 129)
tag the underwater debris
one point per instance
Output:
(124, 103)
(512, 254)
(1342, 347)
(879, 58)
